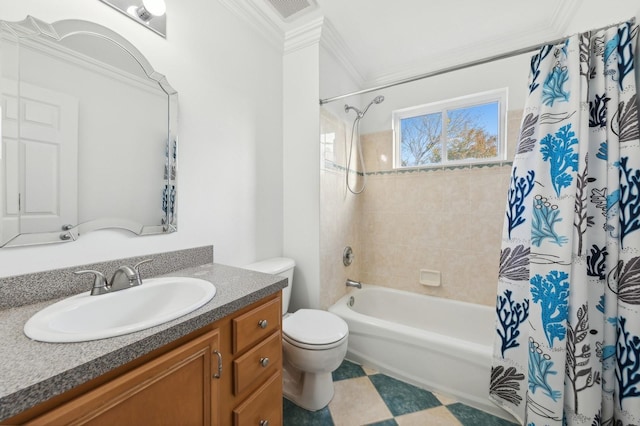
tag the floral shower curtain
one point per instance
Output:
(567, 349)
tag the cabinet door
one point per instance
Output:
(177, 388)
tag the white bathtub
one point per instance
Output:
(438, 344)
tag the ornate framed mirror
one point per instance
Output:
(89, 135)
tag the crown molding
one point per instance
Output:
(259, 18)
(336, 47)
(290, 37)
(304, 35)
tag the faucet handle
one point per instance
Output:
(136, 268)
(99, 282)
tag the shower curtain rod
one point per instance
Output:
(463, 65)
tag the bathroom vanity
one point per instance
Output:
(219, 365)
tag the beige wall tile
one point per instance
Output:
(449, 220)
(377, 151)
(338, 216)
(457, 191)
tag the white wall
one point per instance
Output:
(510, 73)
(301, 112)
(336, 80)
(229, 81)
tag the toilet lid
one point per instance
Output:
(315, 327)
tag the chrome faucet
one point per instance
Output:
(352, 283)
(124, 277)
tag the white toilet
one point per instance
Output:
(314, 344)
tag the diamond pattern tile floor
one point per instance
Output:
(366, 397)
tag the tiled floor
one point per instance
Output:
(366, 397)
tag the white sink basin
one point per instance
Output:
(84, 317)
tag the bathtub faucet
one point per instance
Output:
(352, 283)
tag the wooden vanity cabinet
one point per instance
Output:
(177, 384)
(256, 394)
(175, 388)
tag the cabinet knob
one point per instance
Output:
(264, 422)
(264, 361)
(263, 323)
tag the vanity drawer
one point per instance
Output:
(260, 362)
(263, 407)
(256, 324)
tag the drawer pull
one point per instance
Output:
(219, 373)
(263, 323)
(264, 422)
(264, 361)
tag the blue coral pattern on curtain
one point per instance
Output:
(567, 347)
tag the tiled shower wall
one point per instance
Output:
(338, 212)
(448, 220)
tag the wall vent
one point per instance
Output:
(291, 9)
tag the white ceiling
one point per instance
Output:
(389, 40)
(380, 41)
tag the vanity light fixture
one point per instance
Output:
(150, 13)
(150, 9)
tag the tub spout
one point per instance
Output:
(352, 283)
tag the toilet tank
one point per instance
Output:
(282, 266)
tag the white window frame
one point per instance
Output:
(497, 95)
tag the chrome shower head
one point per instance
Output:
(376, 100)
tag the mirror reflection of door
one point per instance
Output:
(41, 135)
(122, 117)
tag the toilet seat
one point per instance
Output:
(314, 329)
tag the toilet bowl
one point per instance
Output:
(314, 344)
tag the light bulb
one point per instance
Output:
(155, 7)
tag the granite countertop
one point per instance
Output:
(33, 372)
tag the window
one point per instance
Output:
(462, 130)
